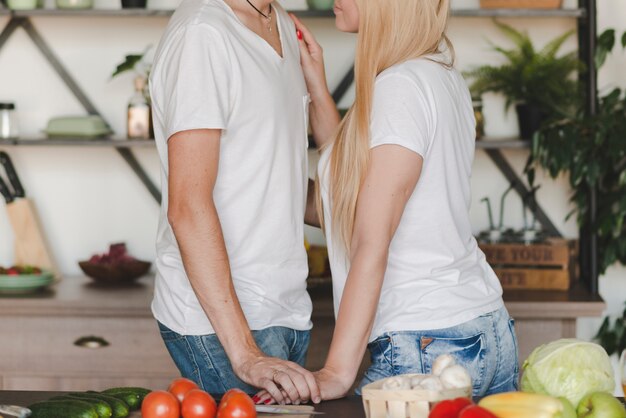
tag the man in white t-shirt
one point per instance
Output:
(230, 120)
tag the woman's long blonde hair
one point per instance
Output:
(390, 32)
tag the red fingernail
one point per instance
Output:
(299, 34)
(255, 399)
(267, 401)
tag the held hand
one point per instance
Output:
(331, 384)
(311, 59)
(285, 381)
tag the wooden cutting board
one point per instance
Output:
(30, 245)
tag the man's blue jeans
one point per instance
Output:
(202, 358)
(485, 346)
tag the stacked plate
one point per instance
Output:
(24, 283)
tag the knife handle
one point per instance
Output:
(4, 191)
(18, 190)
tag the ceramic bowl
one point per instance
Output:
(22, 4)
(121, 273)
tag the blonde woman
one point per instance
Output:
(409, 280)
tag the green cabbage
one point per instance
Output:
(568, 367)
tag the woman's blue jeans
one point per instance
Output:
(485, 346)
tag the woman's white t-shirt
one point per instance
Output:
(212, 72)
(436, 275)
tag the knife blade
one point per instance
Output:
(5, 192)
(266, 409)
(5, 160)
(16, 411)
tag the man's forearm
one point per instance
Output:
(200, 239)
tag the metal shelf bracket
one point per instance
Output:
(25, 23)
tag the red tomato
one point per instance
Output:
(449, 408)
(236, 404)
(180, 386)
(198, 404)
(160, 404)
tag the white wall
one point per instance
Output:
(88, 198)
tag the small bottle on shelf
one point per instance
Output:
(139, 118)
(8, 121)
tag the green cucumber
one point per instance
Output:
(142, 392)
(131, 398)
(63, 409)
(119, 407)
(103, 409)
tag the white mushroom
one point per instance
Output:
(397, 383)
(416, 381)
(430, 383)
(455, 377)
(441, 363)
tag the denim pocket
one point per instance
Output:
(469, 352)
(167, 334)
(380, 350)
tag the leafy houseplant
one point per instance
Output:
(592, 149)
(139, 64)
(139, 119)
(613, 337)
(539, 83)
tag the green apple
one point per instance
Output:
(568, 409)
(600, 405)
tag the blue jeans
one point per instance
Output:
(202, 358)
(485, 346)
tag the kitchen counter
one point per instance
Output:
(81, 296)
(51, 321)
(351, 407)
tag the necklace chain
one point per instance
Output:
(268, 16)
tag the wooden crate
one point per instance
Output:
(520, 4)
(551, 265)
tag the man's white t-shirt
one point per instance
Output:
(212, 72)
(436, 275)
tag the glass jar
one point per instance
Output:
(8, 121)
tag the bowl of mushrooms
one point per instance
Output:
(413, 395)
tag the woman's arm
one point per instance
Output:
(323, 112)
(391, 178)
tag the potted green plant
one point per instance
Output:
(539, 83)
(591, 150)
(139, 121)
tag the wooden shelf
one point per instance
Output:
(485, 143)
(575, 13)
(79, 142)
(569, 13)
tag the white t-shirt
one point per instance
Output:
(212, 72)
(436, 275)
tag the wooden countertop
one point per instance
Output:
(351, 407)
(81, 296)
